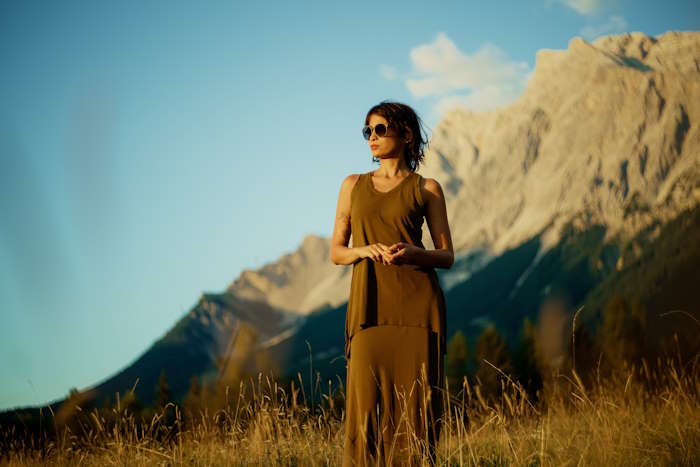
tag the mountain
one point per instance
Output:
(658, 266)
(199, 343)
(587, 184)
(600, 129)
(604, 133)
(559, 194)
(298, 282)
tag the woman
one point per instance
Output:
(395, 322)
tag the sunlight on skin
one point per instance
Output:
(393, 169)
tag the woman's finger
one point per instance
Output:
(379, 251)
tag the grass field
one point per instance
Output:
(633, 417)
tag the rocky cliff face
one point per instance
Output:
(298, 282)
(605, 132)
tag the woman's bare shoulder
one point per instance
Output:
(430, 186)
(350, 180)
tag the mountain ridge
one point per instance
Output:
(605, 133)
(619, 106)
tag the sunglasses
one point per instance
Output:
(380, 129)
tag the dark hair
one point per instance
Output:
(403, 118)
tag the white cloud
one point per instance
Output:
(614, 24)
(388, 72)
(488, 97)
(443, 72)
(583, 7)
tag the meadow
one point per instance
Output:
(639, 415)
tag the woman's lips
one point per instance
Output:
(374, 146)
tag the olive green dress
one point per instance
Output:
(394, 333)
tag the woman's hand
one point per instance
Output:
(376, 252)
(401, 253)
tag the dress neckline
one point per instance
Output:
(371, 185)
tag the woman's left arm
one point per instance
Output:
(436, 215)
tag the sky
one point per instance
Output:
(151, 151)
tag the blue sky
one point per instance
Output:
(151, 151)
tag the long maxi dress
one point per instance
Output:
(394, 334)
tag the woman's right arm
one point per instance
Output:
(340, 252)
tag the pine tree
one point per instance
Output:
(582, 353)
(193, 399)
(491, 347)
(163, 393)
(456, 361)
(525, 365)
(623, 331)
(132, 403)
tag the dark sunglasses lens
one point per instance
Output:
(380, 129)
(366, 132)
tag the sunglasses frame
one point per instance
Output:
(372, 130)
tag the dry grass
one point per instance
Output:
(636, 417)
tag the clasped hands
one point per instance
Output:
(398, 253)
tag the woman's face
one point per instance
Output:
(390, 145)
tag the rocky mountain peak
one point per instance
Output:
(605, 132)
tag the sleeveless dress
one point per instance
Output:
(394, 333)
